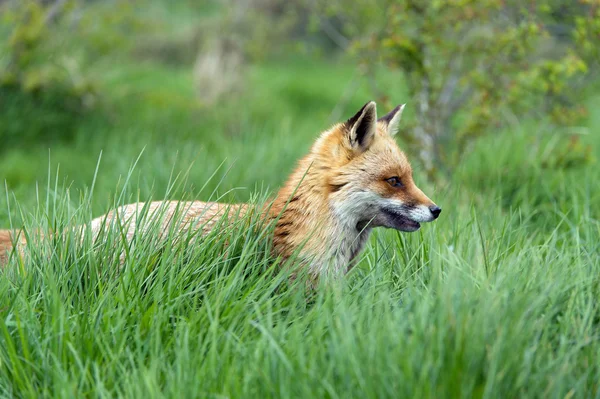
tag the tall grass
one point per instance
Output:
(485, 302)
(497, 298)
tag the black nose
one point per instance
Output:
(435, 210)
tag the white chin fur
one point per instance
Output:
(353, 208)
(420, 214)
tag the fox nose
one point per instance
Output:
(435, 210)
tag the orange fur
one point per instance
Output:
(7, 239)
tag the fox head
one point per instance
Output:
(370, 181)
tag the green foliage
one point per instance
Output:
(45, 84)
(260, 29)
(39, 78)
(469, 65)
(587, 31)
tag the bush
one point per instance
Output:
(45, 87)
(42, 90)
(471, 65)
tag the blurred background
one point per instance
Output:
(502, 95)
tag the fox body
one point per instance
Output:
(355, 178)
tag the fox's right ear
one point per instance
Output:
(392, 120)
(361, 127)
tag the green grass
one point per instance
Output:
(498, 298)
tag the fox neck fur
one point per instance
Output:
(307, 222)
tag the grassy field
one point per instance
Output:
(498, 298)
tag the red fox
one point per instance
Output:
(355, 178)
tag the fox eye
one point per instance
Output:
(394, 181)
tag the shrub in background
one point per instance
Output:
(46, 48)
(42, 88)
(471, 65)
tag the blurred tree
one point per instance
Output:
(220, 66)
(469, 64)
(32, 58)
(44, 49)
(246, 31)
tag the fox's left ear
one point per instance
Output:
(361, 127)
(392, 120)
